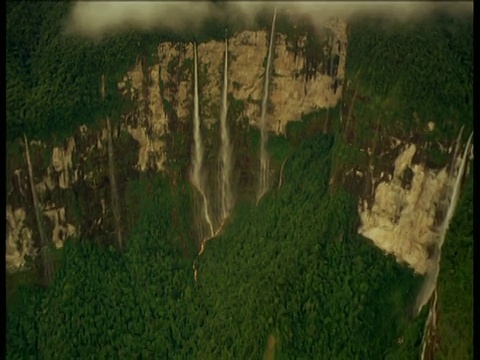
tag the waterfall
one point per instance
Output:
(430, 285)
(280, 177)
(433, 269)
(47, 266)
(111, 176)
(264, 158)
(197, 159)
(226, 197)
(113, 186)
(455, 193)
(455, 153)
(225, 159)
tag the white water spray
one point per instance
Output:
(264, 158)
(226, 197)
(197, 160)
(47, 266)
(455, 153)
(225, 158)
(433, 270)
(455, 193)
(430, 285)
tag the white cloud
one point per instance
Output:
(101, 17)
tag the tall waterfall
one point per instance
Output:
(433, 269)
(111, 176)
(47, 266)
(226, 197)
(113, 186)
(264, 158)
(430, 284)
(455, 153)
(197, 159)
(455, 193)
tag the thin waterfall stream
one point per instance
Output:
(226, 197)
(264, 157)
(197, 160)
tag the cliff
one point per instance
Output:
(71, 178)
(398, 214)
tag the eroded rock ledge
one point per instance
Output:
(403, 217)
(162, 93)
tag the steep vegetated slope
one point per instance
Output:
(414, 88)
(407, 83)
(293, 267)
(455, 287)
(290, 276)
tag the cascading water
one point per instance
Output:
(455, 153)
(47, 266)
(225, 159)
(111, 171)
(113, 186)
(226, 197)
(455, 193)
(433, 271)
(264, 158)
(197, 159)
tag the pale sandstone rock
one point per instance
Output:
(62, 164)
(19, 242)
(401, 220)
(173, 56)
(290, 95)
(148, 147)
(149, 127)
(211, 57)
(293, 96)
(247, 55)
(61, 229)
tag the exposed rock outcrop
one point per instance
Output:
(19, 244)
(61, 171)
(163, 96)
(403, 219)
(61, 229)
(169, 96)
(149, 123)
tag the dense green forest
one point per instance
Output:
(53, 78)
(290, 268)
(293, 268)
(424, 66)
(402, 75)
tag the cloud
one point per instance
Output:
(97, 18)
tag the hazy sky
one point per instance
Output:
(100, 17)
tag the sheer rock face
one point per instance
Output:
(68, 178)
(291, 95)
(170, 90)
(74, 175)
(400, 221)
(20, 244)
(402, 218)
(149, 123)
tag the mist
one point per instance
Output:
(101, 18)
